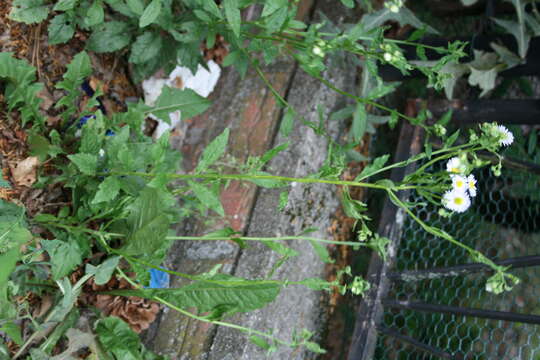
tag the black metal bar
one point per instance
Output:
(370, 311)
(417, 275)
(502, 111)
(412, 341)
(470, 312)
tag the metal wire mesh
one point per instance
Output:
(503, 222)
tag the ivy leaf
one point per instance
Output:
(186, 100)
(86, 163)
(213, 151)
(207, 198)
(107, 190)
(150, 14)
(232, 13)
(60, 29)
(146, 47)
(65, 256)
(29, 11)
(110, 36)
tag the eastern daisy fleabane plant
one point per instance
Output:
(471, 185)
(456, 166)
(456, 200)
(459, 183)
(506, 136)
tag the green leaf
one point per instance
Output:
(239, 294)
(271, 6)
(260, 342)
(146, 47)
(232, 13)
(359, 123)
(103, 272)
(65, 5)
(77, 71)
(86, 163)
(110, 36)
(187, 101)
(61, 29)
(13, 331)
(137, 6)
(147, 224)
(348, 3)
(39, 146)
(117, 337)
(207, 197)
(65, 256)
(95, 14)
(29, 11)
(403, 17)
(316, 284)
(107, 190)
(213, 151)
(150, 14)
(322, 251)
(376, 165)
(279, 248)
(4, 183)
(287, 122)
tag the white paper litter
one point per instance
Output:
(202, 82)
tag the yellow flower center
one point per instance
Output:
(455, 170)
(459, 183)
(458, 201)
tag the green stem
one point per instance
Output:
(273, 239)
(249, 177)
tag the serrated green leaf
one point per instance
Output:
(110, 36)
(65, 5)
(86, 163)
(232, 13)
(107, 190)
(147, 224)
(186, 100)
(150, 14)
(137, 6)
(77, 71)
(65, 256)
(213, 151)
(117, 337)
(61, 29)
(207, 197)
(239, 294)
(103, 272)
(287, 122)
(316, 284)
(518, 30)
(403, 17)
(376, 165)
(95, 14)
(322, 252)
(359, 123)
(29, 11)
(280, 248)
(146, 47)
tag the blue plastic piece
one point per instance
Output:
(84, 120)
(109, 132)
(159, 279)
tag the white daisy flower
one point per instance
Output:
(456, 201)
(507, 136)
(459, 183)
(471, 185)
(455, 166)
